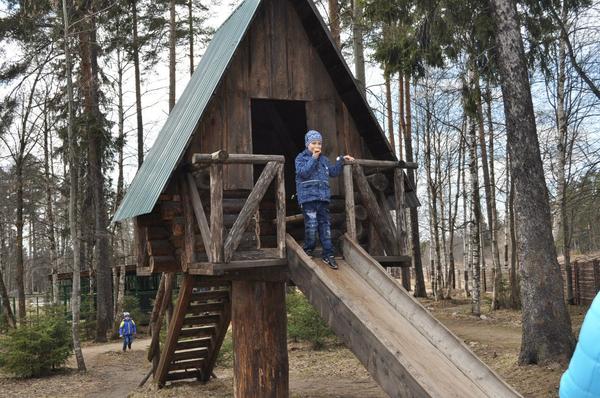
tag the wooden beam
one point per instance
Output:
(218, 156)
(237, 158)
(280, 206)
(200, 215)
(383, 164)
(381, 221)
(164, 264)
(216, 212)
(349, 200)
(202, 268)
(243, 220)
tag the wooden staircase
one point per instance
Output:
(200, 321)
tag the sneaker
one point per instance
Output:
(309, 252)
(330, 260)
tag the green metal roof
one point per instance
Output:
(173, 138)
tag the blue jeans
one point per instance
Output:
(316, 217)
(127, 340)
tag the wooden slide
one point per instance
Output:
(406, 350)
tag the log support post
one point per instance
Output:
(259, 339)
(349, 200)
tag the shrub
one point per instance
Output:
(33, 350)
(304, 322)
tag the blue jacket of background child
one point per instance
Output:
(127, 327)
(312, 176)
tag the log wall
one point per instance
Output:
(586, 280)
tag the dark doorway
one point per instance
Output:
(278, 128)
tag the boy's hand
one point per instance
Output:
(348, 157)
(316, 153)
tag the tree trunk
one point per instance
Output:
(172, 54)
(434, 243)
(547, 332)
(475, 222)
(561, 122)
(334, 21)
(467, 266)
(358, 44)
(73, 180)
(20, 268)
(482, 261)
(138, 85)
(401, 121)
(420, 290)
(487, 184)
(119, 286)
(90, 90)
(389, 113)
(497, 274)
(6, 310)
(515, 292)
(50, 214)
(191, 34)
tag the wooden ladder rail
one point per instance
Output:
(185, 290)
(394, 237)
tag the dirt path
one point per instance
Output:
(122, 371)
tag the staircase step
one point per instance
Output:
(203, 331)
(195, 364)
(195, 343)
(207, 282)
(201, 320)
(197, 309)
(190, 354)
(181, 375)
(210, 295)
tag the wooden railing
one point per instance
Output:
(393, 237)
(219, 249)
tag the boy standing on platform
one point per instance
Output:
(312, 186)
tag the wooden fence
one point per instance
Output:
(586, 280)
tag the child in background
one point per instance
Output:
(312, 186)
(127, 330)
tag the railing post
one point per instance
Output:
(349, 202)
(216, 211)
(280, 204)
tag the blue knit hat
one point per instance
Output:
(312, 135)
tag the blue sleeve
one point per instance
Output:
(134, 327)
(336, 169)
(121, 328)
(304, 168)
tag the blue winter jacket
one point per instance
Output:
(312, 176)
(582, 379)
(127, 327)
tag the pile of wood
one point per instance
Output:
(586, 280)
